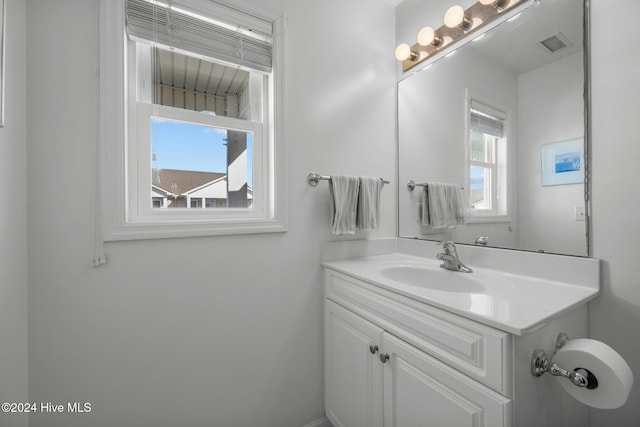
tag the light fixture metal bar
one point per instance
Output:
(484, 18)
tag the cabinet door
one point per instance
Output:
(422, 391)
(353, 374)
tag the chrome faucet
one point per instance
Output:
(482, 241)
(450, 259)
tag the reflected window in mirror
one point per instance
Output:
(487, 161)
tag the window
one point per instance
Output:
(199, 148)
(486, 160)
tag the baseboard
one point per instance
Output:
(320, 422)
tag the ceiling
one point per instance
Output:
(516, 44)
(199, 75)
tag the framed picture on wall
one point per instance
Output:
(563, 162)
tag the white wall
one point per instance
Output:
(229, 331)
(615, 316)
(551, 110)
(13, 224)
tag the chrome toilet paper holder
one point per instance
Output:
(540, 364)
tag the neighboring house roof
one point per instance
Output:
(180, 182)
(218, 181)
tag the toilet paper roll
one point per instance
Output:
(612, 372)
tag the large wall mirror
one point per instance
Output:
(503, 118)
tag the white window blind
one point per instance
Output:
(221, 32)
(487, 120)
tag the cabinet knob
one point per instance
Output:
(384, 357)
(373, 349)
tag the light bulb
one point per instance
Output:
(427, 36)
(454, 17)
(486, 2)
(403, 52)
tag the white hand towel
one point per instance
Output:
(369, 203)
(344, 202)
(442, 205)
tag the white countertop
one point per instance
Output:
(510, 302)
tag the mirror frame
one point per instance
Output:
(586, 54)
(587, 111)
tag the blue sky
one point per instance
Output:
(477, 178)
(187, 146)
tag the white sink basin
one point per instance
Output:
(515, 300)
(429, 278)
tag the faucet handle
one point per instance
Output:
(451, 259)
(448, 246)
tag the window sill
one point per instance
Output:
(173, 229)
(488, 219)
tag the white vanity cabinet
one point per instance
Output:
(420, 390)
(394, 361)
(353, 371)
(374, 378)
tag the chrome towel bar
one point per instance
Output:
(314, 178)
(411, 185)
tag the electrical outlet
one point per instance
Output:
(579, 213)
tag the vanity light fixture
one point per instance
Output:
(460, 26)
(455, 17)
(404, 52)
(498, 4)
(427, 36)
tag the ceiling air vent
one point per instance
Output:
(555, 43)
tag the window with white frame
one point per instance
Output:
(199, 148)
(487, 160)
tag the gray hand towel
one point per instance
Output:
(442, 205)
(369, 203)
(344, 202)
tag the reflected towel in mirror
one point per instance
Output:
(442, 205)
